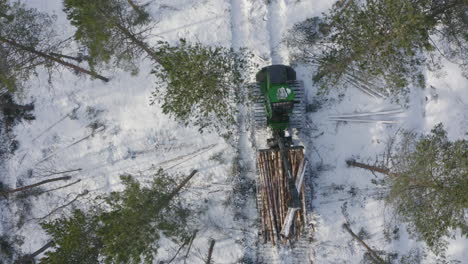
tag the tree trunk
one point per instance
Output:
(181, 185)
(385, 171)
(42, 249)
(138, 42)
(136, 8)
(51, 58)
(61, 187)
(165, 202)
(64, 178)
(78, 59)
(144, 46)
(210, 251)
(374, 255)
(30, 257)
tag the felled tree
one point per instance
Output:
(110, 29)
(428, 179)
(26, 39)
(385, 40)
(199, 84)
(125, 228)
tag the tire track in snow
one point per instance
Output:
(239, 24)
(276, 28)
(298, 251)
(244, 34)
(240, 31)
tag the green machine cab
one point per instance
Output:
(279, 102)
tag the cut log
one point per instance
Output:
(279, 219)
(300, 177)
(290, 217)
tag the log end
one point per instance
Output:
(350, 162)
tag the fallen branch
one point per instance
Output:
(101, 128)
(190, 155)
(6, 192)
(54, 124)
(375, 257)
(60, 172)
(177, 253)
(364, 120)
(383, 112)
(61, 207)
(61, 187)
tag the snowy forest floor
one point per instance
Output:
(103, 130)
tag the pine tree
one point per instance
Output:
(428, 179)
(74, 238)
(26, 39)
(125, 228)
(25, 26)
(131, 229)
(453, 32)
(14, 112)
(386, 41)
(199, 84)
(110, 29)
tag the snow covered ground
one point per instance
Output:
(107, 129)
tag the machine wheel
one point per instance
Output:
(259, 112)
(297, 117)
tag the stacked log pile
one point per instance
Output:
(274, 195)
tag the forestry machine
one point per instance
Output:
(279, 106)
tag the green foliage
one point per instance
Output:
(305, 39)
(382, 38)
(102, 27)
(125, 228)
(6, 248)
(30, 28)
(10, 246)
(382, 41)
(453, 32)
(75, 239)
(429, 189)
(136, 216)
(14, 113)
(200, 84)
